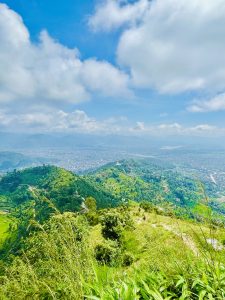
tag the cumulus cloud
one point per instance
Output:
(111, 14)
(216, 103)
(49, 70)
(52, 120)
(104, 78)
(176, 46)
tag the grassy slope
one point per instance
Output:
(159, 244)
(138, 181)
(4, 226)
(165, 243)
(162, 245)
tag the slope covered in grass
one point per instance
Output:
(34, 194)
(151, 257)
(81, 238)
(4, 226)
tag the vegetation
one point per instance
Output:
(4, 226)
(65, 238)
(64, 189)
(160, 184)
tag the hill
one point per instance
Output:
(64, 189)
(160, 183)
(84, 237)
(35, 194)
(13, 160)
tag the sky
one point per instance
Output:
(113, 67)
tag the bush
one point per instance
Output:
(92, 218)
(147, 206)
(90, 204)
(112, 226)
(106, 254)
(127, 259)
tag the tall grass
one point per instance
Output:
(55, 264)
(201, 283)
(58, 263)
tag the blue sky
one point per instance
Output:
(113, 66)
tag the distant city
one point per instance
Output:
(203, 159)
(202, 164)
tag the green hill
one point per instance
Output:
(33, 195)
(84, 237)
(64, 189)
(159, 183)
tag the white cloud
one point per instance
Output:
(177, 46)
(78, 121)
(48, 70)
(52, 120)
(111, 14)
(104, 78)
(178, 129)
(216, 103)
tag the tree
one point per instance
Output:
(90, 204)
(112, 226)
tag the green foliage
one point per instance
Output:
(112, 226)
(65, 189)
(60, 261)
(203, 283)
(5, 223)
(127, 259)
(147, 206)
(160, 184)
(66, 242)
(90, 204)
(107, 253)
(92, 218)
(55, 264)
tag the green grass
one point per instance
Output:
(58, 261)
(134, 251)
(171, 260)
(4, 226)
(152, 245)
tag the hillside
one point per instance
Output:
(84, 237)
(159, 183)
(130, 253)
(13, 160)
(63, 188)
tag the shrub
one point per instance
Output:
(112, 226)
(92, 218)
(127, 259)
(90, 204)
(147, 206)
(106, 254)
